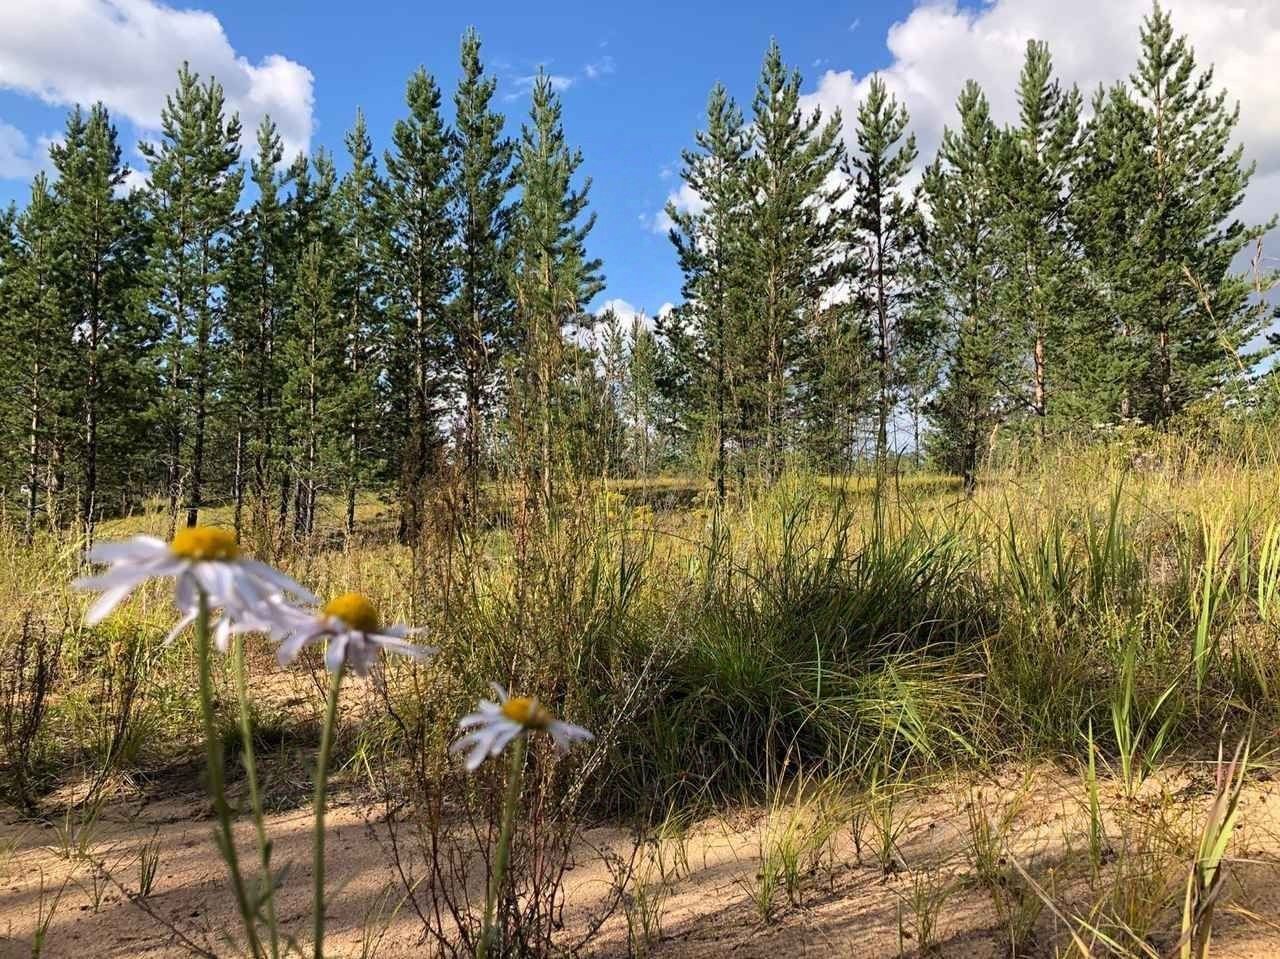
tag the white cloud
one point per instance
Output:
(686, 199)
(126, 53)
(599, 68)
(940, 45)
(19, 159)
(524, 85)
(626, 313)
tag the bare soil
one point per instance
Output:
(847, 905)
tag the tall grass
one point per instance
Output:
(810, 628)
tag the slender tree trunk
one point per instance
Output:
(471, 440)
(1166, 376)
(203, 333)
(312, 417)
(720, 388)
(882, 319)
(89, 494)
(201, 413)
(175, 418)
(544, 389)
(1040, 397)
(33, 457)
(237, 483)
(773, 384)
(353, 424)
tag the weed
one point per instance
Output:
(148, 865)
(923, 902)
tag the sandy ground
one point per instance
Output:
(843, 907)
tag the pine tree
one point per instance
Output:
(416, 264)
(313, 356)
(962, 275)
(480, 318)
(194, 186)
(642, 395)
(709, 243)
(37, 352)
(1106, 211)
(258, 298)
(883, 232)
(790, 244)
(553, 279)
(612, 354)
(1196, 319)
(1039, 293)
(314, 344)
(98, 234)
(358, 227)
(11, 461)
(837, 373)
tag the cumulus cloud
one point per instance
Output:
(599, 68)
(19, 159)
(626, 313)
(126, 53)
(524, 85)
(685, 199)
(941, 44)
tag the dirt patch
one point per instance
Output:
(695, 893)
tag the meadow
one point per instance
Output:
(835, 714)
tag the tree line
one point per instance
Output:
(1071, 270)
(273, 336)
(315, 335)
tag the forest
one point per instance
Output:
(268, 333)
(371, 586)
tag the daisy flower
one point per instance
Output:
(202, 560)
(493, 725)
(348, 623)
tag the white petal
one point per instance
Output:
(336, 654)
(291, 647)
(112, 578)
(503, 737)
(222, 634)
(187, 619)
(107, 602)
(565, 734)
(477, 718)
(394, 645)
(185, 593)
(500, 691)
(279, 580)
(483, 747)
(129, 550)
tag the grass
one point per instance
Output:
(1108, 606)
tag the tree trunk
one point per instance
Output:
(882, 320)
(33, 457)
(90, 492)
(1039, 398)
(237, 484)
(720, 388)
(197, 451)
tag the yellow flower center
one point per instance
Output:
(527, 712)
(204, 543)
(354, 610)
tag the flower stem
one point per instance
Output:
(322, 782)
(515, 779)
(255, 796)
(217, 784)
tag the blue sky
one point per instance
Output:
(637, 75)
